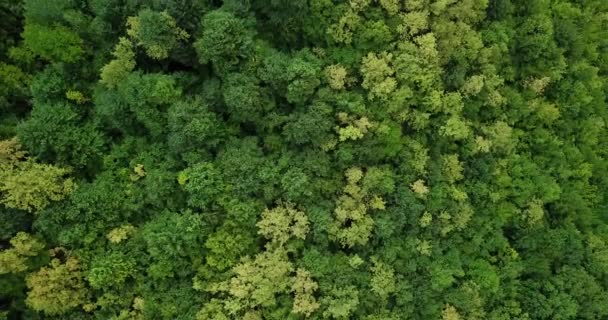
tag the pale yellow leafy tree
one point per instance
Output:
(27, 185)
(10, 152)
(355, 261)
(378, 75)
(304, 287)
(420, 157)
(412, 5)
(456, 128)
(427, 47)
(424, 247)
(419, 188)
(156, 32)
(449, 313)
(352, 225)
(473, 85)
(33, 186)
(502, 136)
(257, 281)
(425, 219)
(535, 212)
(538, 85)
(119, 234)
(76, 96)
(336, 76)
(282, 223)
(57, 288)
(352, 128)
(547, 112)
(463, 215)
(340, 303)
(136, 312)
(212, 310)
(15, 259)
(12, 262)
(359, 5)
(482, 145)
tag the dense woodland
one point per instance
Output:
(303, 159)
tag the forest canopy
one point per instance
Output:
(303, 159)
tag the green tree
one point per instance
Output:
(192, 126)
(173, 241)
(224, 40)
(56, 44)
(244, 97)
(110, 270)
(303, 75)
(53, 133)
(383, 279)
(203, 182)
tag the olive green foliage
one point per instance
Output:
(158, 33)
(28, 185)
(282, 223)
(15, 259)
(57, 288)
(123, 63)
(303, 159)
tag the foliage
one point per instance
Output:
(27, 185)
(224, 40)
(157, 32)
(281, 223)
(57, 43)
(303, 159)
(15, 259)
(57, 288)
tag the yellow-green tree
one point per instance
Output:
(56, 288)
(304, 288)
(15, 259)
(156, 32)
(27, 185)
(352, 225)
(378, 75)
(283, 223)
(121, 66)
(257, 282)
(383, 279)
